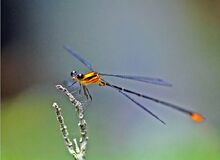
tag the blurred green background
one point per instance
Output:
(175, 40)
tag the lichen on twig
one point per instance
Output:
(76, 149)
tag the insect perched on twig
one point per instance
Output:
(93, 77)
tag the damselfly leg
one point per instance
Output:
(75, 89)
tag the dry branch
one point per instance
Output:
(76, 149)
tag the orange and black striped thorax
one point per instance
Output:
(90, 78)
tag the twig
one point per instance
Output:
(76, 149)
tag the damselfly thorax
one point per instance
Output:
(89, 78)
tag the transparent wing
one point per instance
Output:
(142, 107)
(77, 56)
(156, 81)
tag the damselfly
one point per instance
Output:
(93, 77)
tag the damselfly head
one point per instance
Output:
(73, 74)
(80, 76)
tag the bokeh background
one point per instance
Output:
(175, 40)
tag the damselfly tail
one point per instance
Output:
(194, 116)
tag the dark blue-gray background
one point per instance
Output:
(176, 41)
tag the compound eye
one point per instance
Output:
(73, 73)
(80, 76)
